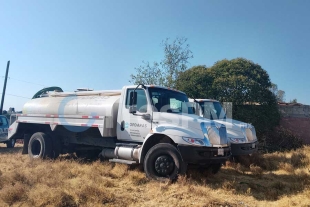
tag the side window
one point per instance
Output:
(4, 121)
(141, 100)
(175, 104)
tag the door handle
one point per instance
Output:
(122, 125)
(146, 116)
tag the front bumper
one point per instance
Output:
(204, 155)
(244, 148)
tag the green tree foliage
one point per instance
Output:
(241, 81)
(165, 72)
(196, 82)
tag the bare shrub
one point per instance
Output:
(137, 178)
(298, 159)
(256, 170)
(64, 200)
(286, 167)
(302, 176)
(11, 194)
(118, 171)
(281, 139)
(228, 185)
(241, 168)
(95, 195)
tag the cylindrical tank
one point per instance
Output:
(90, 103)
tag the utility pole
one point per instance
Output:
(4, 87)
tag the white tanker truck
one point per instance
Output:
(148, 125)
(241, 136)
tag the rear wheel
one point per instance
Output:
(10, 143)
(40, 146)
(164, 162)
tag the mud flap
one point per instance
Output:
(26, 142)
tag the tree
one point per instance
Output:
(196, 82)
(279, 94)
(294, 101)
(274, 88)
(242, 82)
(165, 72)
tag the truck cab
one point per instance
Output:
(241, 136)
(4, 126)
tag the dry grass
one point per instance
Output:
(277, 179)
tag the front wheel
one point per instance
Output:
(164, 162)
(10, 143)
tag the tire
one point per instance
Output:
(164, 162)
(40, 146)
(10, 143)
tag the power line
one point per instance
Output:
(25, 81)
(17, 96)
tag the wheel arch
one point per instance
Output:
(26, 130)
(153, 140)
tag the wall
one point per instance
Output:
(295, 111)
(297, 119)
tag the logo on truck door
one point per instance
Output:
(138, 125)
(135, 125)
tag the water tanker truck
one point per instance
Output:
(151, 126)
(241, 136)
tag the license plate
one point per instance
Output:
(220, 151)
(253, 145)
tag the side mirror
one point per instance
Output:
(133, 98)
(132, 109)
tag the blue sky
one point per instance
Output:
(97, 44)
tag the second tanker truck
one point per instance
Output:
(148, 125)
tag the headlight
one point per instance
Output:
(250, 133)
(194, 141)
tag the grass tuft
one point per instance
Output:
(256, 170)
(11, 194)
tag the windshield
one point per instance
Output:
(212, 110)
(169, 101)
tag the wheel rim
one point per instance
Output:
(36, 148)
(164, 165)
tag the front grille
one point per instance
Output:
(217, 136)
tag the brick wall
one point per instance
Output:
(297, 119)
